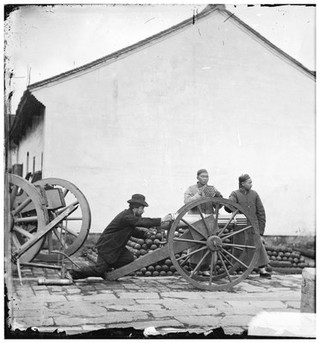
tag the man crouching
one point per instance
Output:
(111, 246)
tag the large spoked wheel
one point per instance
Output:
(28, 216)
(70, 234)
(216, 251)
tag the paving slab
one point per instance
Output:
(162, 303)
(204, 321)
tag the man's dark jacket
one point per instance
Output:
(114, 238)
(251, 201)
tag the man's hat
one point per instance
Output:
(138, 199)
(243, 178)
(200, 171)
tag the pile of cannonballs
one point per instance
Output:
(140, 247)
(280, 257)
(284, 257)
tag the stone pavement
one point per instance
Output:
(157, 305)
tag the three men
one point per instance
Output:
(111, 246)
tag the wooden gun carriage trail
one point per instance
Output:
(49, 220)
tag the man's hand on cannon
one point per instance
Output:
(166, 222)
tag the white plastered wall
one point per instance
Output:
(210, 96)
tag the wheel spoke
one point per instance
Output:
(24, 204)
(59, 237)
(213, 263)
(232, 256)
(185, 261)
(235, 232)
(23, 232)
(189, 240)
(199, 263)
(203, 219)
(26, 219)
(224, 266)
(13, 195)
(215, 224)
(74, 218)
(229, 221)
(191, 253)
(193, 228)
(68, 230)
(67, 207)
(239, 245)
(227, 259)
(15, 240)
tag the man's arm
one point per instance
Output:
(261, 215)
(190, 195)
(232, 197)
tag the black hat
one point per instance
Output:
(200, 171)
(138, 199)
(243, 178)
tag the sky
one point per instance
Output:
(44, 41)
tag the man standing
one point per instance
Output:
(250, 200)
(111, 246)
(201, 190)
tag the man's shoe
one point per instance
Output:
(73, 274)
(265, 275)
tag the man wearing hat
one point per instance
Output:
(201, 190)
(250, 200)
(111, 246)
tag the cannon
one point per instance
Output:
(226, 245)
(48, 220)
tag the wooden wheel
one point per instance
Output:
(70, 234)
(28, 215)
(220, 250)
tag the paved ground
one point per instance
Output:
(156, 305)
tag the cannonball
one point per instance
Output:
(168, 262)
(164, 267)
(148, 241)
(158, 268)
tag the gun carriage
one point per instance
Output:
(50, 219)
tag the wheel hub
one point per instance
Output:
(214, 243)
